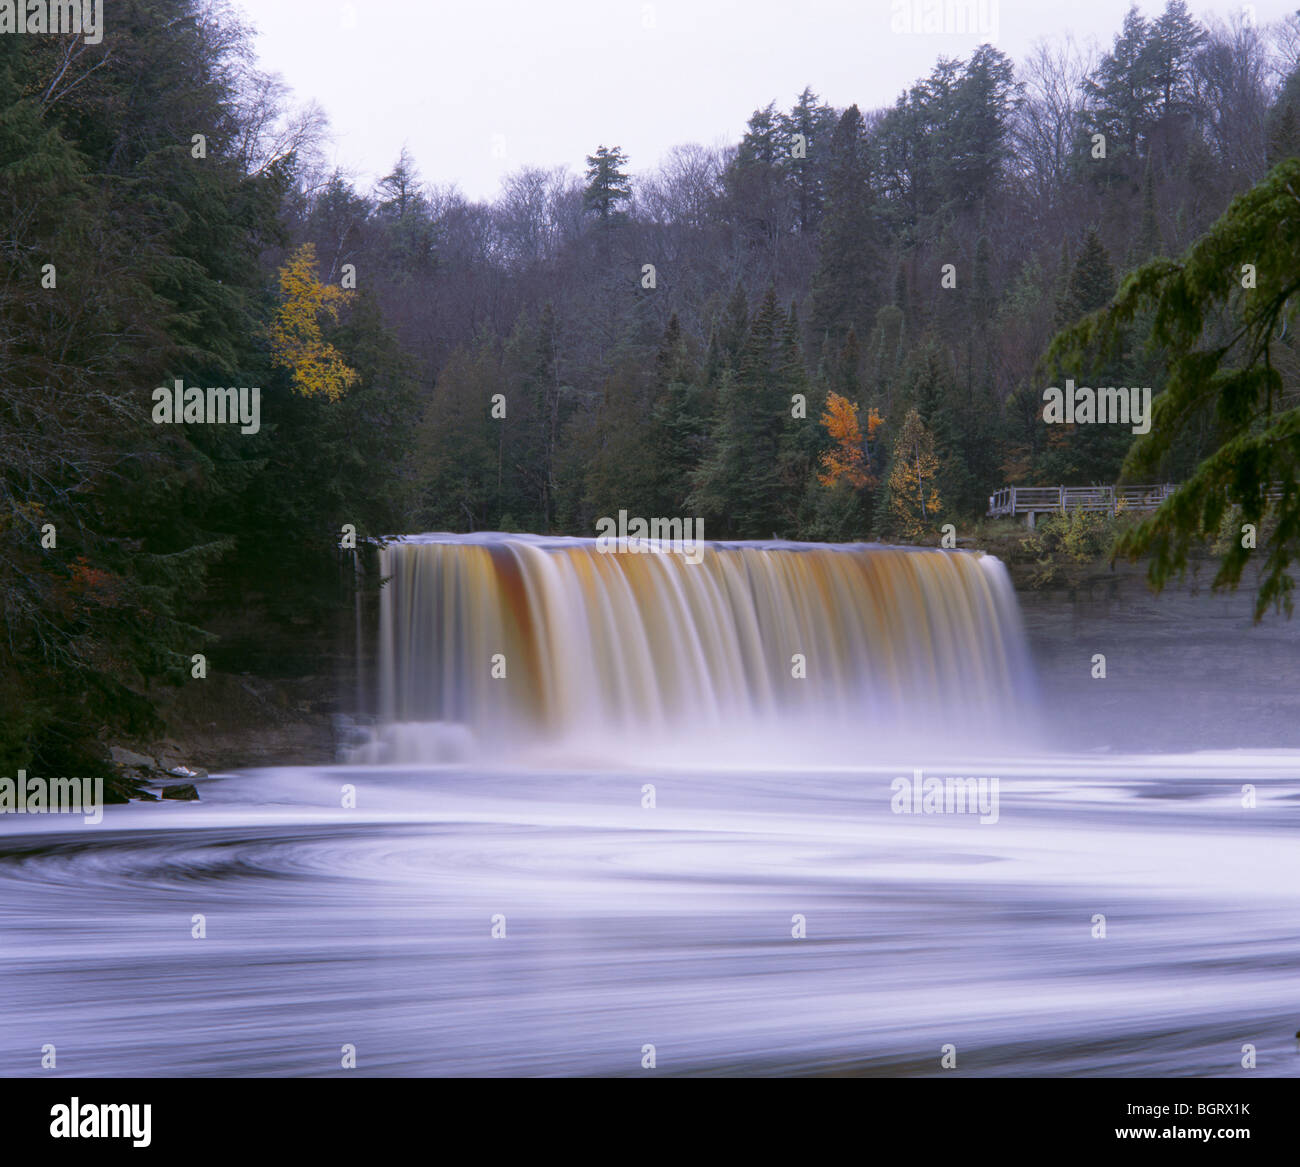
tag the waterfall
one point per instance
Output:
(784, 652)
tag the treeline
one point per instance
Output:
(832, 330)
(916, 258)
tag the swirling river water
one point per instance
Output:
(628, 926)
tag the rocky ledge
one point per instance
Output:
(147, 778)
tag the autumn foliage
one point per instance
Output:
(913, 488)
(848, 459)
(296, 340)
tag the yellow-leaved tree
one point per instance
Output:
(848, 460)
(296, 340)
(913, 493)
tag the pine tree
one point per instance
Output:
(399, 190)
(407, 234)
(970, 120)
(1283, 121)
(759, 180)
(157, 279)
(624, 471)
(799, 443)
(982, 304)
(1092, 280)
(847, 374)
(678, 421)
(1124, 94)
(845, 291)
(1170, 50)
(815, 123)
(463, 454)
(543, 403)
(1284, 134)
(1090, 453)
(1063, 268)
(608, 186)
(738, 487)
(735, 327)
(889, 336)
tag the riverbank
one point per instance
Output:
(233, 723)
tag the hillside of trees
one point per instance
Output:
(834, 329)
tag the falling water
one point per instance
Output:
(500, 642)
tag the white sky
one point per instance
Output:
(477, 88)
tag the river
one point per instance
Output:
(627, 926)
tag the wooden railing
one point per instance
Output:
(1028, 500)
(1113, 500)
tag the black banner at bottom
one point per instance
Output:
(362, 1114)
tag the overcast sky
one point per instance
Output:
(477, 88)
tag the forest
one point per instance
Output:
(838, 328)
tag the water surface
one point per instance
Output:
(670, 927)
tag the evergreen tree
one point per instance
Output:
(1092, 280)
(845, 292)
(608, 186)
(814, 123)
(154, 257)
(407, 234)
(970, 121)
(679, 421)
(846, 378)
(1091, 453)
(800, 443)
(399, 193)
(1283, 123)
(624, 471)
(1170, 50)
(889, 336)
(758, 180)
(739, 485)
(1124, 98)
(735, 327)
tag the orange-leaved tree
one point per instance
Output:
(849, 459)
(296, 340)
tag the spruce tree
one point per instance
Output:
(608, 186)
(1170, 50)
(814, 123)
(1092, 280)
(678, 421)
(845, 285)
(1124, 95)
